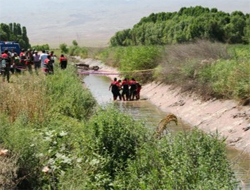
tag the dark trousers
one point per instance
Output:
(5, 72)
(63, 65)
(37, 65)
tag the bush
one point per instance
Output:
(133, 61)
(73, 147)
(78, 51)
(115, 137)
(67, 96)
(43, 129)
(184, 161)
(209, 69)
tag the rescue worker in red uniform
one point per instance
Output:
(114, 88)
(5, 65)
(63, 62)
(48, 66)
(119, 88)
(29, 60)
(138, 90)
(132, 90)
(125, 89)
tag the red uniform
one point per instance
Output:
(63, 62)
(49, 66)
(138, 90)
(5, 55)
(115, 89)
(125, 89)
(132, 90)
(5, 66)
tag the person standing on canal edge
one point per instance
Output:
(42, 58)
(63, 62)
(29, 60)
(37, 61)
(5, 65)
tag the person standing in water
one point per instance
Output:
(114, 88)
(132, 93)
(138, 90)
(125, 89)
(119, 89)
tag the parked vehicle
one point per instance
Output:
(10, 46)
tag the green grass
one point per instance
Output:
(84, 147)
(134, 61)
(207, 68)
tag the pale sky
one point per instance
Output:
(93, 22)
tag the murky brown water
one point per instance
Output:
(151, 115)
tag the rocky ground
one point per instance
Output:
(226, 117)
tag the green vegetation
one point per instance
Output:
(186, 25)
(179, 162)
(208, 68)
(41, 47)
(133, 61)
(59, 139)
(40, 120)
(14, 32)
(74, 50)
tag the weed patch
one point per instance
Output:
(65, 142)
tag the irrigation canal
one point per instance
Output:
(151, 115)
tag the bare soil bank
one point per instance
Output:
(224, 116)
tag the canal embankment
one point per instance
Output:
(226, 117)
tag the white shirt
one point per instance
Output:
(42, 57)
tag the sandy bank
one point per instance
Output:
(224, 116)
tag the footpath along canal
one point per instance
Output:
(151, 114)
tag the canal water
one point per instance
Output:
(145, 111)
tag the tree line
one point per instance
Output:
(14, 32)
(186, 25)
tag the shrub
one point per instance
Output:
(133, 61)
(116, 137)
(184, 161)
(207, 68)
(47, 117)
(8, 171)
(105, 149)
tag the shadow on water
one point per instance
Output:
(145, 111)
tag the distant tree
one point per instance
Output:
(13, 32)
(186, 25)
(19, 30)
(64, 48)
(74, 42)
(246, 31)
(41, 47)
(5, 28)
(214, 10)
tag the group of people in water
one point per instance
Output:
(11, 62)
(130, 89)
